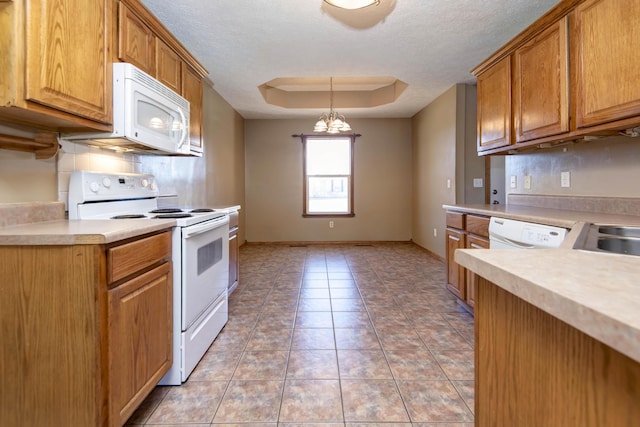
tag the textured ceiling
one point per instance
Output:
(429, 44)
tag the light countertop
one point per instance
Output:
(596, 293)
(78, 232)
(558, 217)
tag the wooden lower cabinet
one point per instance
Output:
(76, 349)
(532, 369)
(473, 242)
(455, 272)
(140, 350)
(464, 231)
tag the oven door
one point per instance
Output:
(205, 266)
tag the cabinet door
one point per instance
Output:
(140, 339)
(136, 41)
(607, 45)
(67, 67)
(169, 66)
(541, 85)
(494, 106)
(192, 91)
(473, 242)
(455, 272)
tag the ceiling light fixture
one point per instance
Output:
(352, 4)
(332, 122)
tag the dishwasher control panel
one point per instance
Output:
(511, 234)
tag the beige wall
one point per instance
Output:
(444, 150)
(382, 179)
(607, 167)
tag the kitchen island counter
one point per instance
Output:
(596, 293)
(80, 232)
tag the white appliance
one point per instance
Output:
(148, 117)
(200, 256)
(511, 234)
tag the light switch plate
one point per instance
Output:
(527, 182)
(565, 179)
(477, 182)
(514, 181)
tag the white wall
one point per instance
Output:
(382, 179)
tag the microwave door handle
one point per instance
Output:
(185, 131)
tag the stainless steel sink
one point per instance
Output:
(620, 245)
(620, 231)
(613, 239)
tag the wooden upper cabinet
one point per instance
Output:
(168, 66)
(192, 91)
(136, 41)
(541, 85)
(494, 106)
(607, 44)
(55, 63)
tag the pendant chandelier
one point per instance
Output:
(352, 4)
(332, 122)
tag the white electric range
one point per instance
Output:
(200, 256)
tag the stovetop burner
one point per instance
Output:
(128, 216)
(166, 210)
(201, 210)
(173, 215)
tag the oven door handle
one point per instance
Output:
(194, 230)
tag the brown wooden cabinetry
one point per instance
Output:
(55, 64)
(541, 85)
(570, 75)
(136, 41)
(87, 333)
(533, 369)
(145, 42)
(607, 42)
(192, 91)
(494, 106)
(464, 231)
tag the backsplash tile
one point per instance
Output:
(75, 156)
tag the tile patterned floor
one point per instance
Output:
(331, 335)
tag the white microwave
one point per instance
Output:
(148, 117)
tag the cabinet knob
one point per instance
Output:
(494, 191)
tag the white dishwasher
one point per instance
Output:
(511, 234)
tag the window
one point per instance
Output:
(328, 175)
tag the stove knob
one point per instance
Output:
(144, 183)
(94, 186)
(106, 182)
(153, 185)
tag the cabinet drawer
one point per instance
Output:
(455, 220)
(478, 225)
(131, 257)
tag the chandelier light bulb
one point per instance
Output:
(333, 122)
(352, 4)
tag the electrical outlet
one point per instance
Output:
(435, 232)
(514, 181)
(330, 224)
(527, 182)
(477, 183)
(448, 183)
(565, 179)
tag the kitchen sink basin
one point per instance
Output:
(615, 239)
(620, 245)
(620, 231)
